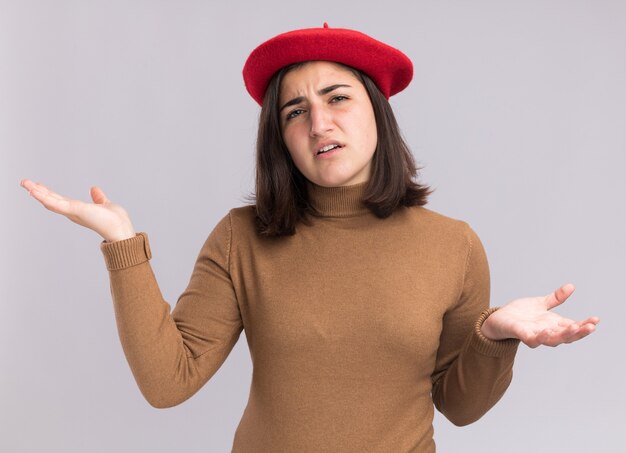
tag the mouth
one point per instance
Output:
(328, 148)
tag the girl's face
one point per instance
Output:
(328, 124)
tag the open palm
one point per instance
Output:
(104, 217)
(530, 320)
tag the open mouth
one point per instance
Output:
(327, 149)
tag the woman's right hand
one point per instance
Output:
(107, 219)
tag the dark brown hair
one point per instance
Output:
(281, 189)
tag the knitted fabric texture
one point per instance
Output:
(357, 326)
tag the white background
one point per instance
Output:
(517, 112)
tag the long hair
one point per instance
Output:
(281, 190)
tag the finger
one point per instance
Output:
(98, 195)
(49, 199)
(43, 190)
(533, 339)
(554, 336)
(559, 296)
(28, 184)
(42, 194)
(548, 337)
(582, 332)
(591, 320)
(565, 322)
(54, 204)
(573, 333)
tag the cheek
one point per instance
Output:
(294, 146)
(296, 141)
(290, 138)
(373, 137)
(371, 132)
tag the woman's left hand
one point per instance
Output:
(530, 321)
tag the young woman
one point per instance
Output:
(362, 309)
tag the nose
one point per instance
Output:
(321, 120)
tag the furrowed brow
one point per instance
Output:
(321, 92)
(327, 90)
(294, 101)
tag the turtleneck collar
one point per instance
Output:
(343, 201)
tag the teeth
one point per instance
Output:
(327, 148)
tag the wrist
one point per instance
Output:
(485, 325)
(120, 236)
(492, 346)
(488, 331)
(493, 328)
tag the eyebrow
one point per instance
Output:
(320, 92)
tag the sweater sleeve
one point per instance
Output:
(471, 372)
(172, 355)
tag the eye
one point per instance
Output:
(293, 114)
(338, 98)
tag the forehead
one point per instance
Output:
(316, 75)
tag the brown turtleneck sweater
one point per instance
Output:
(352, 323)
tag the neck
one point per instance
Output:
(344, 201)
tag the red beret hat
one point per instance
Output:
(389, 68)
